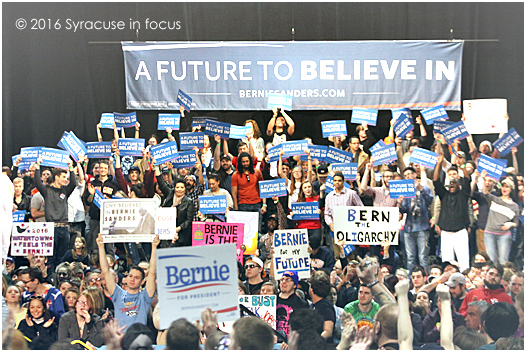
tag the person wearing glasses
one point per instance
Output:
(380, 195)
(33, 283)
(39, 326)
(82, 323)
(255, 274)
(288, 300)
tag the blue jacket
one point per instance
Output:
(422, 222)
(53, 298)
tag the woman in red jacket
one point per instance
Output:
(306, 194)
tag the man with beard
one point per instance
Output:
(493, 291)
(193, 191)
(288, 300)
(457, 289)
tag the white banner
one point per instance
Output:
(128, 220)
(366, 225)
(485, 116)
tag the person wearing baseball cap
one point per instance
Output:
(288, 300)
(255, 274)
(457, 288)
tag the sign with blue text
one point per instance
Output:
(271, 188)
(279, 101)
(238, 132)
(222, 129)
(186, 158)
(95, 150)
(212, 204)
(403, 125)
(335, 155)
(190, 279)
(305, 211)
(455, 131)
(349, 170)
(363, 115)
(125, 120)
(263, 307)
(366, 225)
(434, 113)
(384, 155)
(334, 128)
(318, 152)
(291, 252)
(509, 140)
(494, 167)
(184, 100)
(55, 158)
(31, 154)
(165, 152)
(189, 140)
(404, 188)
(401, 112)
(131, 146)
(165, 121)
(424, 157)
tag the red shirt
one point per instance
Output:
(484, 294)
(247, 192)
(309, 224)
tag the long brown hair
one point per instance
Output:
(84, 250)
(301, 195)
(255, 128)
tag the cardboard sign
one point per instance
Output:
(334, 128)
(128, 220)
(19, 216)
(494, 167)
(366, 225)
(455, 131)
(361, 115)
(384, 155)
(263, 306)
(403, 126)
(251, 221)
(291, 252)
(483, 116)
(164, 223)
(335, 155)
(131, 146)
(186, 158)
(318, 152)
(107, 120)
(508, 141)
(434, 113)
(404, 188)
(239, 132)
(305, 211)
(349, 170)
(401, 112)
(279, 101)
(207, 233)
(222, 129)
(165, 121)
(31, 154)
(32, 238)
(184, 100)
(271, 188)
(97, 150)
(125, 120)
(424, 157)
(212, 204)
(164, 152)
(55, 158)
(189, 279)
(189, 140)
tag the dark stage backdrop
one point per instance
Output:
(57, 80)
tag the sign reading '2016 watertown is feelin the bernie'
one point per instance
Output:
(366, 225)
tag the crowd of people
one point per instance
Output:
(455, 280)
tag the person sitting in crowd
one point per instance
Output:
(39, 327)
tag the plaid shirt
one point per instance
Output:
(194, 195)
(381, 197)
(347, 197)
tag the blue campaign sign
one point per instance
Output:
(189, 140)
(98, 150)
(30, 154)
(494, 167)
(424, 157)
(292, 148)
(55, 158)
(404, 188)
(348, 249)
(131, 146)
(73, 145)
(222, 129)
(401, 112)
(212, 204)
(186, 158)
(184, 100)
(273, 153)
(22, 165)
(455, 131)
(279, 101)
(201, 121)
(19, 216)
(271, 188)
(334, 128)
(329, 185)
(434, 113)
(165, 121)
(384, 155)
(107, 120)
(165, 152)
(349, 170)
(305, 211)
(361, 115)
(403, 126)
(335, 155)
(238, 132)
(440, 125)
(377, 145)
(318, 152)
(97, 198)
(125, 120)
(509, 140)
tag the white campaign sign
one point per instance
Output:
(128, 220)
(485, 116)
(366, 225)
(165, 223)
(32, 238)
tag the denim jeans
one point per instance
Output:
(61, 244)
(253, 207)
(498, 246)
(416, 245)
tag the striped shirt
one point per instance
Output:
(380, 197)
(346, 197)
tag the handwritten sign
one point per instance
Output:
(349, 170)
(334, 128)
(483, 116)
(363, 115)
(305, 211)
(186, 158)
(125, 120)
(291, 252)
(424, 157)
(404, 188)
(366, 225)
(434, 113)
(270, 188)
(494, 167)
(165, 121)
(222, 129)
(212, 204)
(263, 306)
(189, 140)
(279, 101)
(251, 221)
(32, 238)
(508, 141)
(184, 100)
(208, 233)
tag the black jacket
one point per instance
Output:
(185, 215)
(41, 337)
(107, 188)
(68, 329)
